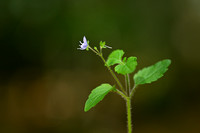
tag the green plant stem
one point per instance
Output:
(113, 74)
(110, 70)
(96, 52)
(132, 91)
(124, 94)
(128, 109)
(128, 83)
(128, 104)
(121, 94)
(129, 121)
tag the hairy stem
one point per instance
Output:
(123, 93)
(129, 121)
(132, 91)
(128, 84)
(114, 76)
(110, 70)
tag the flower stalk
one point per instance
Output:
(110, 70)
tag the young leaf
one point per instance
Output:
(97, 95)
(115, 57)
(102, 44)
(152, 73)
(127, 67)
(124, 59)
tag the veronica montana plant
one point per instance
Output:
(124, 66)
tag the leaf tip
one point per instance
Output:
(168, 61)
(86, 109)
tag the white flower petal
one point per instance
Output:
(84, 40)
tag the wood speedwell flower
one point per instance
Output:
(83, 45)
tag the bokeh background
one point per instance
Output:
(45, 80)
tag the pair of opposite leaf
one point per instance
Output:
(126, 66)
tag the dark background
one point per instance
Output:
(45, 80)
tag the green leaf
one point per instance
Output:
(97, 95)
(124, 59)
(127, 67)
(152, 73)
(115, 57)
(102, 44)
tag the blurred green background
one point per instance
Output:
(45, 80)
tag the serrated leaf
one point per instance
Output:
(97, 95)
(127, 66)
(115, 57)
(152, 73)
